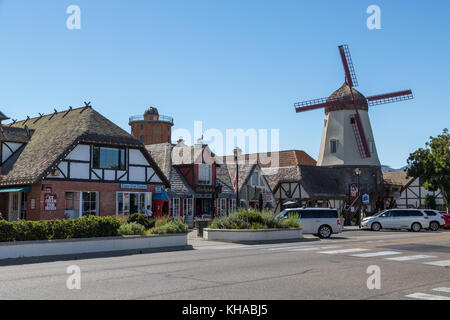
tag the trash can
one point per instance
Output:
(202, 223)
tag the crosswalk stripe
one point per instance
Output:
(442, 289)
(375, 254)
(408, 258)
(285, 248)
(344, 251)
(314, 248)
(443, 263)
(425, 296)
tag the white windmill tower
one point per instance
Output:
(347, 138)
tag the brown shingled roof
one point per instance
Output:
(285, 158)
(397, 178)
(55, 135)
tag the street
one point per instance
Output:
(412, 265)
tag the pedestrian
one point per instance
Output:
(148, 212)
(362, 215)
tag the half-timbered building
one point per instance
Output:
(74, 163)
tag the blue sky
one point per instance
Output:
(231, 64)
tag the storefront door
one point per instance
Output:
(132, 202)
(15, 204)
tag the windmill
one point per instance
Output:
(347, 137)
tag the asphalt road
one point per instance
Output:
(308, 269)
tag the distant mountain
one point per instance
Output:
(387, 168)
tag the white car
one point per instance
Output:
(322, 222)
(410, 219)
(436, 219)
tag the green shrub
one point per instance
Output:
(85, 227)
(142, 219)
(253, 216)
(292, 221)
(6, 231)
(172, 226)
(131, 228)
(257, 225)
(430, 202)
(161, 221)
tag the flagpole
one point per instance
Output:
(237, 177)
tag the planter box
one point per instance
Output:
(41, 248)
(231, 235)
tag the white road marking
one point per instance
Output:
(344, 251)
(375, 254)
(291, 247)
(443, 263)
(408, 258)
(442, 289)
(314, 248)
(425, 296)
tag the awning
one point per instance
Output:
(161, 195)
(22, 189)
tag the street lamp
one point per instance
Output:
(358, 173)
(236, 152)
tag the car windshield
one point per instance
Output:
(380, 213)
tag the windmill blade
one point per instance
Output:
(390, 97)
(360, 136)
(317, 104)
(350, 74)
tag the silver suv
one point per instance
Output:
(410, 219)
(322, 222)
(436, 219)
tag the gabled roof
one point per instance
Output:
(162, 154)
(198, 153)
(276, 159)
(398, 178)
(16, 135)
(55, 135)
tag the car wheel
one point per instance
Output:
(434, 226)
(325, 232)
(375, 226)
(416, 227)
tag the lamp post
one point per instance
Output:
(358, 173)
(237, 177)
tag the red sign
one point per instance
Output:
(48, 189)
(50, 202)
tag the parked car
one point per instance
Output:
(410, 219)
(447, 220)
(322, 222)
(436, 219)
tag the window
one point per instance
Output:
(78, 204)
(310, 214)
(108, 158)
(188, 206)
(327, 214)
(371, 146)
(132, 202)
(352, 120)
(255, 178)
(233, 205)
(222, 207)
(89, 203)
(142, 127)
(204, 174)
(333, 146)
(430, 213)
(175, 207)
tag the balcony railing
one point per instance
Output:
(161, 118)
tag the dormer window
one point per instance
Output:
(204, 174)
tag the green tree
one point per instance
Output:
(432, 165)
(430, 202)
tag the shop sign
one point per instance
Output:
(205, 189)
(267, 197)
(48, 189)
(133, 186)
(33, 204)
(365, 199)
(50, 202)
(353, 190)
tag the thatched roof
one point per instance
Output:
(55, 135)
(343, 93)
(397, 178)
(18, 135)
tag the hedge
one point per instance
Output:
(85, 227)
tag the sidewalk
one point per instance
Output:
(351, 228)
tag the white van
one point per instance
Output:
(410, 219)
(322, 222)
